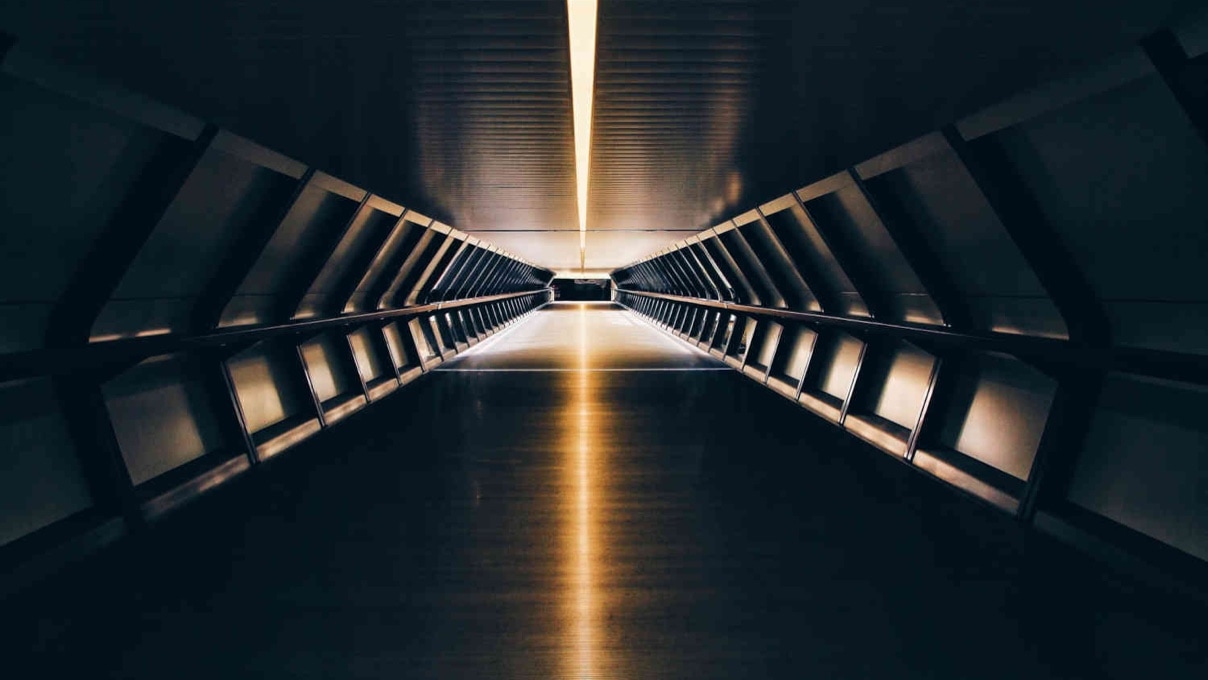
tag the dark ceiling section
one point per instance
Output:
(673, 84)
(461, 110)
(866, 75)
(705, 108)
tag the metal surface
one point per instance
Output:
(580, 520)
(56, 361)
(130, 227)
(239, 261)
(465, 97)
(703, 107)
(1156, 363)
(1015, 192)
(1185, 77)
(883, 395)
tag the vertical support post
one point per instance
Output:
(495, 263)
(1065, 431)
(1077, 391)
(100, 454)
(310, 386)
(381, 331)
(218, 376)
(937, 383)
(356, 364)
(809, 361)
(855, 378)
(749, 296)
(704, 271)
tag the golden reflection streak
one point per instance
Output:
(584, 614)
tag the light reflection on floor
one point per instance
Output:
(607, 506)
(586, 345)
(584, 585)
(615, 340)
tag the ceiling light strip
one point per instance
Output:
(582, 21)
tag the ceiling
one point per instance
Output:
(461, 109)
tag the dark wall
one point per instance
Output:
(178, 304)
(1054, 242)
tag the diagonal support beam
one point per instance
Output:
(1186, 78)
(240, 260)
(1037, 241)
(927, 266)
(132, 223)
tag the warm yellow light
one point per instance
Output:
(585, 605)
(582, 19)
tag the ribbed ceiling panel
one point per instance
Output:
(459, 109)
(672, 86)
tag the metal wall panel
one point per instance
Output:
(269, 387)
(369, 360)
(68, 165)
(162, 416)
(329, 367)
(765, 350)
(315, 220)
(1145, 459)
(793, 356)
(780, 269)
(765, 292)
(1120, 175)
(42, 481)
(835, 373)
(387, 261)
(847, 218)
(401, 346)
(225, 196)
(998, 413)
(935, 194)
(897, 384)
(813, 257)
(349, 259)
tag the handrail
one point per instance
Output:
(1163, 364)
(64, 360)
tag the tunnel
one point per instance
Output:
(599, 339)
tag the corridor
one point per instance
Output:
(551, 504)
(603, 339)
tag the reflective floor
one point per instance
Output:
(579, 497)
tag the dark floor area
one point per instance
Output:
(582, 497)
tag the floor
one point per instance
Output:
(582, 496)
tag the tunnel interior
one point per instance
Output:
(872, 345)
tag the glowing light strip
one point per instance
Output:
(582, 20)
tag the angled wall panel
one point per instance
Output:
(306, 235)
(350, 259)
(1120, 176)
(68, 166)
